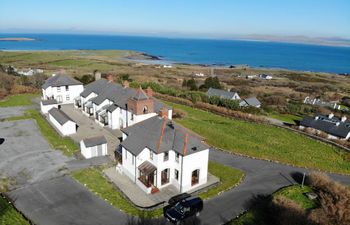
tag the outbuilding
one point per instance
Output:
(93, 147)
(46, 105)
(62, 122)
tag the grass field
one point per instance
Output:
(18, 100)
(294, 193)
(287, 118)
(95, 181)
(9, 215)
(264, 141)
(65, 144)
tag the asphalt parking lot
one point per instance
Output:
(25, 156)
(6, 112)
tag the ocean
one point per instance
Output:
(300, 57)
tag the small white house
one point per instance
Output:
(62, 88)
(93, 147)
(46, 105)
(223, 94)
(265, 76)
(62, 122)
(156, 153)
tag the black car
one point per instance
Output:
(175, 199)
(183, 209)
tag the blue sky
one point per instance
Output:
(206, 18)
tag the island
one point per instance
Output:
(17, 39)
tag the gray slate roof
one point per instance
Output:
(325, 124)
(60, 80)
(252, 101)
(115, 93)
(221, 93)
(49, 102)
(148, 132)
(94, 141)
(60, 116)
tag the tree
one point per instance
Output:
(211, 82)
(184, 83)
(192, 85)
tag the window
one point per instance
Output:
(151, 154)
(58, 89)
(165, 176)
(166, 156)
(176, 174)
(132, 116)
(177, 157)
(67, 88)
(67, 97)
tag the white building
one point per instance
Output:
(265, 76)
(62, 88)
(62, 122)
(117, 106)
(46, 105)
(156, 153)
(223, 94)
(93, 147)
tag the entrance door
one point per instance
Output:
(195, 177)
(99, 150)
(59, 98)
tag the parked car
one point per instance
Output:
(175, 199)
(183, 209)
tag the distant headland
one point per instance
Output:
(16, 39)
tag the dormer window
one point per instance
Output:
(166, 156)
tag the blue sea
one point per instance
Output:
(199, 51)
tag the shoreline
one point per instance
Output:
(17, 39)
(143, 57)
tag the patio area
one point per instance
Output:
(136, 195)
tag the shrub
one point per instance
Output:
(334, 200)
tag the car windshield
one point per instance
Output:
(179, 208)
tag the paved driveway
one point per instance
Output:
(262, 177)
(6, 112)
(25, 155)
(89, 128)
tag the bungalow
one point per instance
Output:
(62, 122)
(117, 106)
(336, 128)
(62, 88)
(93, 147)
(157, 152)
(252, 101)
(223, 94)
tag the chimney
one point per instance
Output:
(185, 144)
(110, 78)
(97, 75)
(125, 84)
(163, 112)
(149, 92)
(343, 118)
(330, 116)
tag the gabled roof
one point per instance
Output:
(161, 135)
(59, 116)
(221, 93)
(116, 93)
(333, 126)
(140, 95)
(252, 101)
(94, 141)
(60, 80)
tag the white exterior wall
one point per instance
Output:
(90, 96)
(192, 162)
(98, 107)
(45, 108)
(128, 166)
(113, 119)
(66, 129)
(91, 151)
(54, 92)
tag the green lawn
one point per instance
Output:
(18, 100)
(264, 141)
(95, 181)
(287, 118)
(294, 193)
(65, 144)
(9, 215)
